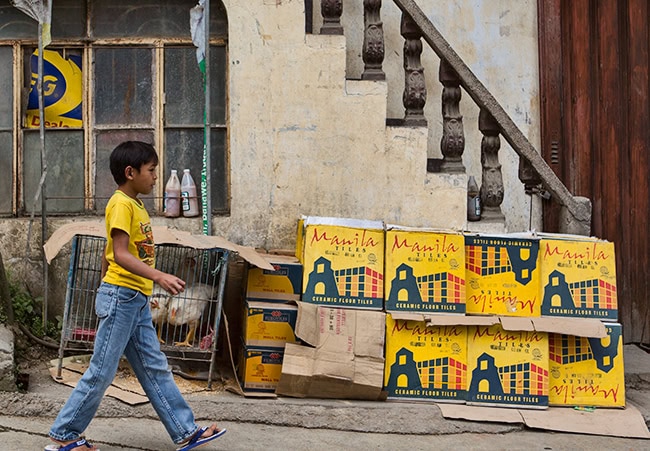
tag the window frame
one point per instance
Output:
(20, 205)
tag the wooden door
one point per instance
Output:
(596, 131)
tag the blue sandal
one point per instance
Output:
(69, 446)
(197, 440)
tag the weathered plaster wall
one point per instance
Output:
(303, 140)
(306, 141)
(497, 39)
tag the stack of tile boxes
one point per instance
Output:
(578, 280)
(446, 295)
(506, 367)
(425, 277)
(269, 322)
(473, 359)
(342, 303)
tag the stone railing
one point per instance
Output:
(534, 173)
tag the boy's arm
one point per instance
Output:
(123, 257)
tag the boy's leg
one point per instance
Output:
(115, 308)
(151, 367)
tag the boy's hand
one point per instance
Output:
(170, 283)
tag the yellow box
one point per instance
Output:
(284, 283)
(587, 371)
(260, 369)
(343, 263)
(507, 368)
(425, 363)
(578, 277)
(269, 325)
(425, 271)
(502, 275)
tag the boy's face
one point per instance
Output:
(144, 179)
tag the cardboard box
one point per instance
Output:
(507, 368)
(578, 277)
(345, 359)
(587, 371)
(343, 262)
(269, 325)
(502, 275)
(424, 270)
(259, 369)
(425, 362)
(283, 283)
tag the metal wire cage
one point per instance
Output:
(187, 324)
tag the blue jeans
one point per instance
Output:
(125, 327)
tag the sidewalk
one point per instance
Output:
(130, 434)
(122, 422)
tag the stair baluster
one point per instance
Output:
(373, 41)
(331, 11)
(452, 143)
(492, 179)
(529, 177)
(415, 90)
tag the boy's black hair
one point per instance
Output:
(130, 153)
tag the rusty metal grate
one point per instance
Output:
(187, 323)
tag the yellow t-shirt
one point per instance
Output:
(129, 215)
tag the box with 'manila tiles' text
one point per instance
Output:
(424, 270)
(507, 368)
(502, 275)
(578, 277)
(587, 371)
(425, 362)
(343, 262)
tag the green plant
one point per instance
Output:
(28, 312)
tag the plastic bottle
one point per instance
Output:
(190, 202)
(172, 205)
(473, 200)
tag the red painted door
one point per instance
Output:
(596, 130)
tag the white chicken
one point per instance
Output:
(159, 304)
(187, 308)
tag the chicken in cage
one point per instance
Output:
(185, 323)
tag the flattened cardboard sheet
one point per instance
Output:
(346, 361)
(580, 327)
(617, 423)
(620, 423)
(162, 234)
(360, 332)
(70, 378)
(312, 373)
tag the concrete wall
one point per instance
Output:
(305, 141)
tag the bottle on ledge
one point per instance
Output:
(473, 200)
(172, 205)
(190, 202)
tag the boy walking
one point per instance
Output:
(125, 325)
